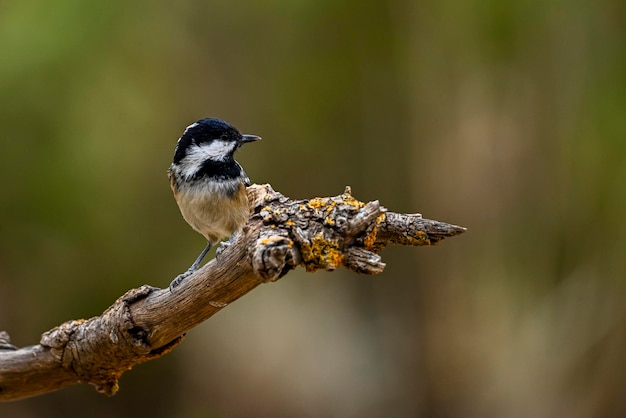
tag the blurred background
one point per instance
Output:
(507, 117)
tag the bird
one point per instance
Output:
(208, 184)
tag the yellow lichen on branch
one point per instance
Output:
(321, 252)
(370, 240)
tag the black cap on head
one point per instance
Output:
(209, 129)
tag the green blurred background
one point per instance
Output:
(507, 117)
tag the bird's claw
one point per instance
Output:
(178, 279)
(224, 245)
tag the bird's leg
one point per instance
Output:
(226, 244)
(192, 269)
(196, 264)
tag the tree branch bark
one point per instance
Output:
(148, 322)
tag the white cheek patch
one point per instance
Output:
(197, 154)
(217, 150)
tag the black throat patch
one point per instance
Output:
(228, 169)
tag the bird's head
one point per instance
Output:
(209, 139)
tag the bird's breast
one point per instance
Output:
(214, 209)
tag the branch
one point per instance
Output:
(148, 322)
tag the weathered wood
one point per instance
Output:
(145, 323)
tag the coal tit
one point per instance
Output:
(208, 184)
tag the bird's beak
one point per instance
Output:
(249, 138)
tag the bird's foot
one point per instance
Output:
(221, 248)
(224, 245)
(178, 279)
